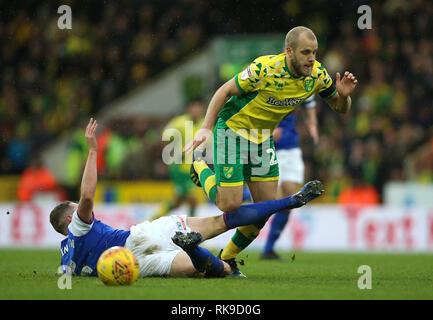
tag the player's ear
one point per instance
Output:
(69, 217)
(289, 50)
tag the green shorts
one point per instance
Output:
(181, 180)
(237, 160)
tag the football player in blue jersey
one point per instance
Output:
(168, 246)
(289, 157)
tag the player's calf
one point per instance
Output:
(202, 259)
(255, 212)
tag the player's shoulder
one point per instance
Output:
(78, 227)
(319, 71)
(266, 65)
(271, 60)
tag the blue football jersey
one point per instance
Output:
(289, 138)
(85, 243)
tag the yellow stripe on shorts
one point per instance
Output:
(264, 178)
(231, 184)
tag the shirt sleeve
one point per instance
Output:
(309, 103)
(327, 87)
(250, 79)
(79, 227)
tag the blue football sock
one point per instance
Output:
(277, 225)
(255, 212)
(204, 261)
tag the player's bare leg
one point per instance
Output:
(208, 227)
(229, 198)
(285, 189)
(263, 190)
(195, 261)
(260, 191)
(245, 215)
(183, 267)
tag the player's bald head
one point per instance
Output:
(292, 37)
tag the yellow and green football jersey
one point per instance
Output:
(187, 128)
(269, 93)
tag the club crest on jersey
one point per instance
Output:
(228, 172)
(308, 84)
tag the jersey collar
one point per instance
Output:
(286, 68)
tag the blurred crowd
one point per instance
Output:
(52, 79)
(392, 111)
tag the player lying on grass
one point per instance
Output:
(151, 242)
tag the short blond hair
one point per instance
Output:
(292, 36)
(57, 216)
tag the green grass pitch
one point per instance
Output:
(30, 274)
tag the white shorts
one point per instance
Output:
(152, 245)
(291, 165)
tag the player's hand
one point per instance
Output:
(91, 136)
(345, 85)
(199, 140)
(277, 133)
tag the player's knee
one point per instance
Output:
(228, 206)
(289, 188)
(229, 199)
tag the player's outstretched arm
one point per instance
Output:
(218, 100)
(90, 175)
(311, 124)
(345, 85)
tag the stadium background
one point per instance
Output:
(133, 65)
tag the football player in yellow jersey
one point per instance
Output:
(184, 189)
(248, 108)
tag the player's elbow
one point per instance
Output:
(87, 197)
(338, 108)
(223, 93)
(343, 108)
(229, 89)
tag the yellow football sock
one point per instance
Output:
(199, 166)
(241, 239)
(207, 179)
